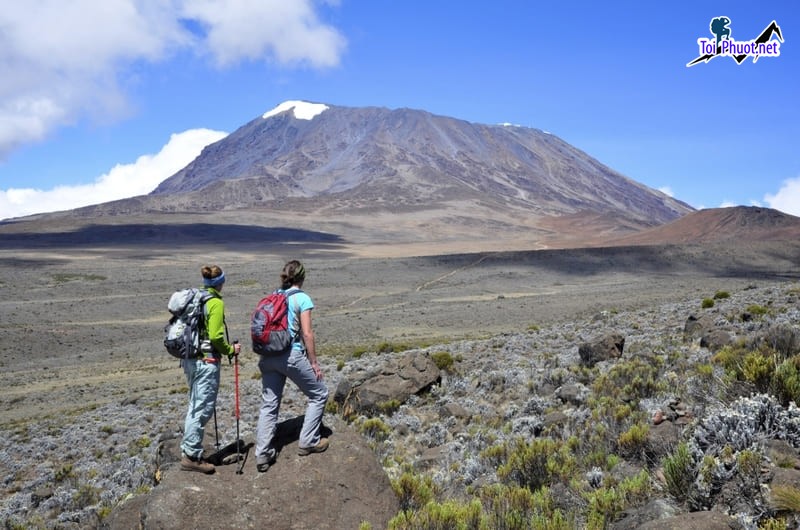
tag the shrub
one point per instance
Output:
(537, 463)
(679, 472)
(443, 360)
(633, 441)
(786, 381)
(450, 515)
(413, 491)
(757, 310)
(375, 428)
(721, 294)
(707, 302)
(785, 497)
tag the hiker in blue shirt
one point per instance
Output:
(300, 365)
(202, 373)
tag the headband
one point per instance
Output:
(214, 282)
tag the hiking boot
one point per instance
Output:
(263, 463)
(196, 464)
(319, 448)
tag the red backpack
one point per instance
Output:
(269, 325)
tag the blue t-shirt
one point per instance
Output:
(298, 302)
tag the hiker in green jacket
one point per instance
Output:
(202, 373)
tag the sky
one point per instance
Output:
(103, 99)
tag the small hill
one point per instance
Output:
(738, 224)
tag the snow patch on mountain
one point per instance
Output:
(303, 110)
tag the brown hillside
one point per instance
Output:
(740, 224)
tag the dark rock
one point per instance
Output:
(715, 339)
(697, 326)
(399, 379)
(572, 393)
(602, 348)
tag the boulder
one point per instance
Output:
(340, 488)
(400, 378)
(602, 348)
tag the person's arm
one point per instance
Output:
(308, 341)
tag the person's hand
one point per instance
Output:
(236, 348)
(317, 370)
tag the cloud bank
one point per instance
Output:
(62, 61)
(787, 199)
(122, 181)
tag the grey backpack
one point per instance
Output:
(183, 330)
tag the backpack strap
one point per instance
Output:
(291, 291)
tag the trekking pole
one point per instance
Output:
(216, 432)
(239, 461)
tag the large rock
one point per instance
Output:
(399, 379)
(340, 488)
(603, 348)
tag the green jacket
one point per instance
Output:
(215, 323)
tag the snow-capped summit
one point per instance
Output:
(303, 110)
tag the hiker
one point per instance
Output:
(298, 364)
(202, 372)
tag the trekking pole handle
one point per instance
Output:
(235, 342)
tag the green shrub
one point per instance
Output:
(375, 428)
(721, 294)
(786, 381)
(679, 472)
(633, 441)
(758, 368)
(443, 360)
(450, 515)
(537, 463)
(707, 303)
(413, 491)
(785, 497)
(757, 310)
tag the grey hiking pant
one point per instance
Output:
(274, 371)
(203, 381)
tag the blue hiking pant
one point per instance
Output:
(203, 380)
(274, 371)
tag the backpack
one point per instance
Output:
(187, 306)
(269, 325)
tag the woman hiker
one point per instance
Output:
(300, 365)
(202, 373)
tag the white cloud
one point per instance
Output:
(61, 61)
(122, 181)
(666, 190)
(787, 199)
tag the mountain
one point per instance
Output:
(363, 158)
(405, 180)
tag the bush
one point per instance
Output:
(707, 302)
(537, 463)
(443, 360)
(679, 472)
(413, 491)
(375, 428)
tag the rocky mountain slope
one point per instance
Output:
(410, 158)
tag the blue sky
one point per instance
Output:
(103, 99)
